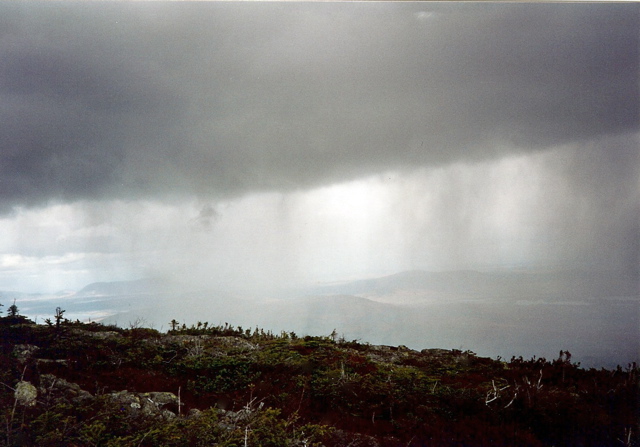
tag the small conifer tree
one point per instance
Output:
(59, 316)
(12, 311)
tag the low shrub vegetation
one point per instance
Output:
(204, 385)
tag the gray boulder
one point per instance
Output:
(25, 394)
(147, 404)
(24, 352)
(53, 387)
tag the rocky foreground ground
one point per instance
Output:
(75, 384)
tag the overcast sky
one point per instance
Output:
(283, 143)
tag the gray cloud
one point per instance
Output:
(207, 216)
(135, 100)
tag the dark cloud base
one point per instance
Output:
(125, 100)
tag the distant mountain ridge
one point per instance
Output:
(132, 287)
(470, 283)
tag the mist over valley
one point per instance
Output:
(595, 316)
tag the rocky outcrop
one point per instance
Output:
(389, 354)
(100, 335)
(54, 388)
(159, 404)
(23, 353)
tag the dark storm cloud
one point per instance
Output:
(131, 100)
